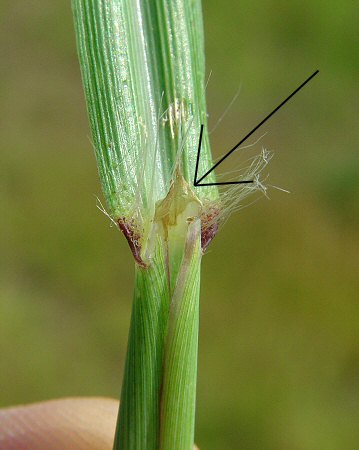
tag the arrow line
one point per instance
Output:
(196, 182)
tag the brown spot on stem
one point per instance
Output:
(209, 227)
(133, 239)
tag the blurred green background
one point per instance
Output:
(279, 341)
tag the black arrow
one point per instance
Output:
(197, 182)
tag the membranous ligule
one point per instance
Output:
(173, 215)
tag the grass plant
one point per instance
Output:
(143, 72)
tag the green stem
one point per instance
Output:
(139, 418)
(180, 367)
(159, 389)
